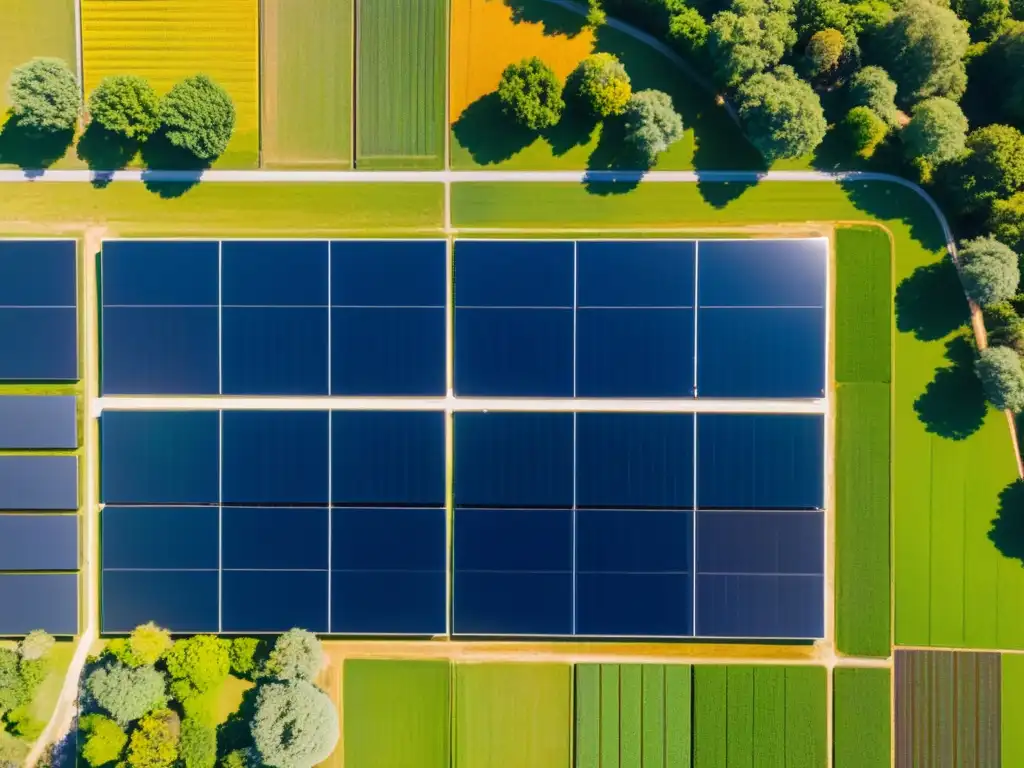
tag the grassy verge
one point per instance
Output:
(45, 700)
(1012, 714)
(862, 728)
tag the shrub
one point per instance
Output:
(149, 643)
(297, 655)
(993, 166)
(295, 725)
(1002, 378)
(23, 725)
(824, 51)
(126, 105)
(782, 114)
(12, 685)
(531, 93)
(198, 116)
(198, 745)
(866, 130)
(652, 124)
(105, 740)
(203, 660)
(198, 705)
(239, 758)
(125, 693)
(44, 96)
(1007, 221)
(37, 644)
(752, 36)
(990, 271)
(245, 652)
(595, 14)
(154, 742)
(872, 87)
(937, 132)
(603, 85)
(688, 31)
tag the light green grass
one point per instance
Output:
(307, 83)
(588, 716)
(710, 716)
(678, 716)
(397, 714)
(862, 718)
(512, 716)
(229, 697)
(45, 700)
(653, 716)
(30, 28)
(630, 714)
(863, 314)
(770, 714)
(401, 70)
(806, 715)
(739, 721)
(1012, 714)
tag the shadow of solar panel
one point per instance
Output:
(274, 601)
(762, 272)
(760, 606)
(274, 350)
(388, 602)
(276, 538)
(761, 542)
(39, 482)
(38, 542)
(181, 601)
(47, 601)
(513, 459)
(388, 457)
(275, 457)
(760, 461)
(160, 538)
(634, 460)
(38, 422)
(160, 457)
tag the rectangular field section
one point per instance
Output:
(307, 83)
(400, 98)
(862, 718)
(34, 28)
(396, 714)
(168, 40)
(513, 716)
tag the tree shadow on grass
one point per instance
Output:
(891, 201)
(930, 303)
(1007, 532)
(105, 151)
(953, 404)
(555, 20)
(32, 150)
(160, 155)
(614, 153)
(488, 134)
(576, 126)
(234, 733)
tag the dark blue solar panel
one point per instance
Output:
(760, 461)
(181, 601)
(388, 273)
(274, 273)
(161, 351)
(39, 482)
(38, 421)
(760, 542)
(388, 457)
(39, 344)
(388, 539)
(38, 542)
(634, 541)
(509, 603)
(634, 460)
(170, 273)
(160, 537)
(46, 601)
(274, 601)
(504, 273)
(160, 457)
(514, 459)
(275, 538)
(624, 273)
(274, 350)
(760, 606)
(513, 540)
(275, 457)
(634, 604)
(762, 273)
(761, 353)
(388, 602)
(38, 273)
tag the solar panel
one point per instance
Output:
(274, 601)
(47, 601)
(160, 538)
(38, 422)
(38, 542)
(39, 482)
(181, 601)
(275, 538)
(38, 310)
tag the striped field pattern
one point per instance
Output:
(862, 733)
(167, 40)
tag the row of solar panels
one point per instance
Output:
(502, 459)
(531, 318)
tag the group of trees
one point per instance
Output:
(151, 702)
(22, 671)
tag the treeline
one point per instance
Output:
(22, 670)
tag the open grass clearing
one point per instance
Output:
(33, 28)
(307, 83)
(862, 729)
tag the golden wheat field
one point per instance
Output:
(166, 40)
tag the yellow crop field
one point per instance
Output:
(30, 28)
(167, 40)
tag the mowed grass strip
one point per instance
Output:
(863, 305)
(1012, 711)
(307, 83)
(806, 717)
(397, 714)
(167, 40)
(33, 28)
(401, 71)
(513, 716)
(861, 709)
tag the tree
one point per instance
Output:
(937, 131)
(688, 31)
(595, 14)
(149, 643)
(824, 50)
(868, 17)
(749, 38)
(866, 130)
(12, 687)
(105, 740)
(198, 116)
(1007, 221)
(993, 166)
(813, 16)
(652, 124)
(988, 18)
(603, 85)
(925, 45)
(872, 87)
(244, 656)
(126, 105)
(782, 114)
(203, 660)
(44, 96)
(195, 704)
(239, 758)
(1002, 378)
(531, 93)
(297, 655)
(125, 693)
(37, 644)
(154, 743)
(198, 745)
(990, 272)
(295, 725)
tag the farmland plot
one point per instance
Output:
(400, 96)
(33, 28)
(862, 730)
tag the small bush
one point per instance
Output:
(652, 124)
(866, 130)
(531, 93)
(149, 643)
(198, 116)
(22, 724)
(990, 271)
(1002, 378)
(37, 644)
(44, 96)
(297, 655)
(105, 740)
(602, 84)
(239, 758)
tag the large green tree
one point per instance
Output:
(295, 725)
(824, 51)
(198, 116)
(531, 93)
(126, 105)
(782, 114)
(990, 271)
(297, 655)
(154, 742)
(652, 124)
(197, 747)
(992, 168)
(749, 38)
(1002, 378)
(1007, 221)
(105, 740)
(126, 693)
(204, 661)
(603, 85)
(937, 131)
(44, 96)
(872, 87)
(688, 31)
(866, 130)
(37, 644)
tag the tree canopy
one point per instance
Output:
(245, 656)
(295, 725)
(531, 93)
(824, 50)
(37, 644)
(125, 693)
(937, 131)
(197, 747)
(688, 31)
(990, 271)
(652, 124)
(993, 166)
(1007, 221)
(1002, 378)
(198, 116)
(601, 81)
(203, 660)
(297, 655)
(866, 129)
(105, 740)
(44, 96)
(782, 114)
(126, 105)
(872, 87)
(749, 38)
(154, 742)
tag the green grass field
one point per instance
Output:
(862, 720)
(863, 305)
(35, 28)
(306, 93)
(400, 97)
(513, 716)
(1012, 709)
(397, 714)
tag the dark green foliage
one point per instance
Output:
(989, 18)
(866, 130)
(198, 116)
(652, 124)
(295, 725)
(245, 656)
(782, 114)
(815, 15)
(688, 32)
(992, 168)
(937, 132)
(154, 742)
(23, 725)
(872, 87)
(204, 661)
(126, 105)
(990, 271)
(824, 50)
(195, 704)
(297, 655)
(1007, 64)
(601, 82)
(37, 644)
(105, 740)
(126, 693)
(44, 96)
(1004, 326)
(1007, 221)
(1001, 376)
(198, 745)
(749, 38)
(531, 93)
(11, 688)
